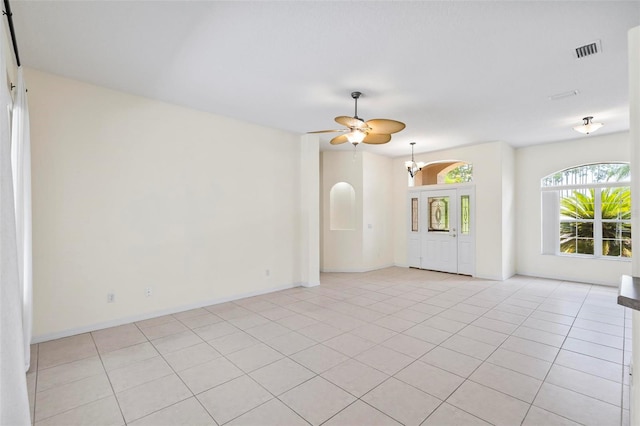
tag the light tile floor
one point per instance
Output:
(395, 346)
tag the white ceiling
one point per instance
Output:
(456, 73)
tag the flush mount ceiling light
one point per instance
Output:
(412, 166)
(588, 126)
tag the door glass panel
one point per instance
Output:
(465, 215)
(414, 214)
(438, 214)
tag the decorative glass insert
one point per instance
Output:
(465, 215)
(438, 214)
(414, 215)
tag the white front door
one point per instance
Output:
(439, 242)
(441, 230)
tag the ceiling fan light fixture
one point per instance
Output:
(356, 136)
(588, 126)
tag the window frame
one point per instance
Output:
(597, 219)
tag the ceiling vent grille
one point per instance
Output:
(588, 50)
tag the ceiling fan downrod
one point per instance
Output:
(355, 96)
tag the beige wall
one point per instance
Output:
(130, 193)
(368, 246)
(493, 236)
(532, 164)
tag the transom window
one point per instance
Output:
(586, 211)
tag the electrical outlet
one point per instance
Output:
(148, 292)
(111, 297)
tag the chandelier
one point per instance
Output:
(412, 166)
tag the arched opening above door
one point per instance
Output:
(446, 172)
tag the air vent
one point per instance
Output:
(588, 49)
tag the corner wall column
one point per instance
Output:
(310, 210)
(634, 139)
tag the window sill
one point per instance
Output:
(588, 256)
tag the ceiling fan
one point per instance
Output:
(376, 131)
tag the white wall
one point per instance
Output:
(368, 246)
(131, 193)
(489, 161)
(532, 164)
(509, 215)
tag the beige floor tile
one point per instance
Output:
(129, 355)
(470, 347)
(488, 404)
(271, 413)
(614, 330)
(152, 396)
(317, 400)
(141, 372)
(320, 332)
(587, 364)
(360, 413)
(505, 317)
(355, 377)
(593, 349)
(531, 348)
(190, 313)
(459, 316)
(296, 321)
(453, 362)
(152, 322)
(290, 343)
(408, 345)
(111, 339)
(210, 374)
(249, 321)
(234, 398)
(177, 341)
(70, 372)
(539, 417)
(483, 335)
(445, 324)
(586, 384)
(597, 337)
(548, 316)
(233, 342)
(539, 336)
(191, 356)
(394, 323)
(430, 379)
(402, 402)
(71, 395)
(282, 375)
(103, 412)
(188, 412)
(319, 358)
(201, 320)
(254, 357)
(68, 349)
(495, 325)
(412, 315)
(448, 415)
(213, 331)
(577, 407)
(549, 326)
(507, 381)
(428, 334)
(521, 363)
(374, 333)
(384, 359)
(349, 344)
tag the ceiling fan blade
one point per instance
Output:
(376, 138)
(339, 139)
(330, 131)
(382, 125)
(350, 121)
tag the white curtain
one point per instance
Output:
(21, 163)
(14, 403)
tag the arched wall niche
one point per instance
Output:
(342, 207)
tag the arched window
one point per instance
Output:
(342, 207)
(444, 173)
(586, 211)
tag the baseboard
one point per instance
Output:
(569, 279)
(357, 270)
(121, 321)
